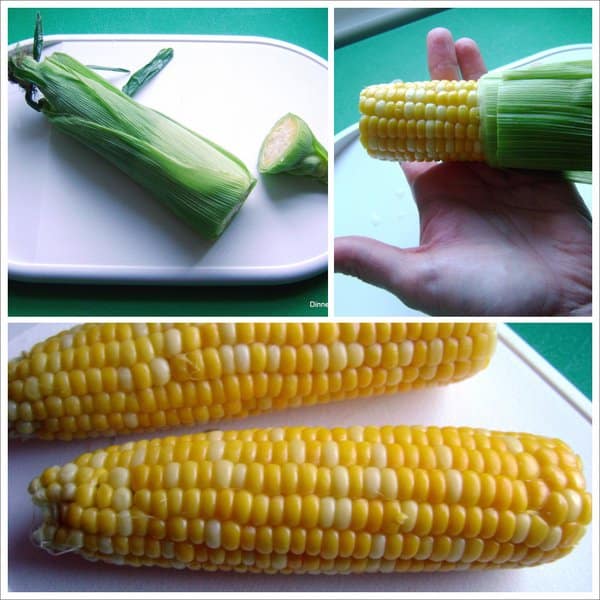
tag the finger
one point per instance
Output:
(394, 269)
(441, 55)
(469, 59)
(412, 170)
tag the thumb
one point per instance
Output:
(399, 271)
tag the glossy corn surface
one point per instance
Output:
(112, 378)
(421, 121)
(310, 499)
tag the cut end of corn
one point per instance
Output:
(317, 500)
(277, 142)
(118, 378)
(421, 121)
(291, 147)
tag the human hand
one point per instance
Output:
(492, 241)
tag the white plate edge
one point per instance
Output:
(537, 363)
(51, 40)
(139, 275)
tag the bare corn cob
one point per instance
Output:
(309, 499)
(535, 117)
(121, 378)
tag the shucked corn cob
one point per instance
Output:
(536, 117)
(426, 120)
(119, 378)
(303, 499)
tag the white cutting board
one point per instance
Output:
(74, 217)
(519, 391)
(373, 199)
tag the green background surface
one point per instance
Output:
(503, 35)
(566, 346)
(306, 28)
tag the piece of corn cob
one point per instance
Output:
(291, 147)
(115, 378)
(310, 499)
(536, 117)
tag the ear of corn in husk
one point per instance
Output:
(199, 181)
(537, 117)
(291, 147)
(118, 378)
(317, 500)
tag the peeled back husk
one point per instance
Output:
(199, 181)
(539, 117)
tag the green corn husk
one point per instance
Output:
(539, 117)
(291, 147)
(142, 76)
(199, 181)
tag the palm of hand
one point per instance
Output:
(499, 242)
